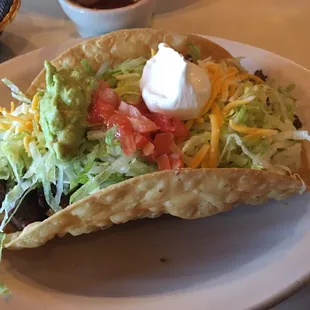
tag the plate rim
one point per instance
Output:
(292, 288)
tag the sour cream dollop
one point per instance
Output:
(174, 87)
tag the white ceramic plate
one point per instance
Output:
(243, 259)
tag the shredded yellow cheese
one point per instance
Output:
(27, 140)
(251, 130)
(261, 133)
(189, 124)
(35, 102)
(12, 106)
(215, 90)
(153, 52)
(247, 76)
(215, 137)
(234, 104)
(198, 158)
(4, 126)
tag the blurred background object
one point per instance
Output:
(91, 21)
(8, 11)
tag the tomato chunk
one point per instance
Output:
(163, 162)
(124, 125)
(141, 141)
(106, 96)
(176, 161)
(148, 149)
(128, 144)
(180, 130)
(139, 122)
(163, 142)
(98, 112)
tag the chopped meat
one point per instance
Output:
(2, 191)
(297, 123)
(189, 58)
(32, 209)
(261, 75)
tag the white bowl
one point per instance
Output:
(92, 22)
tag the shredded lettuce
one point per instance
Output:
(110, 136)
(87, 67)
(4, 291)
(194, 52)
(92, 185)
(125, 77)
(16, 92)
(13, 150)
(5, 171)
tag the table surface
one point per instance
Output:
(280, 26)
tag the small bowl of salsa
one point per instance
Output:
(96, 17)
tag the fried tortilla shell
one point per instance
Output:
(187, 193)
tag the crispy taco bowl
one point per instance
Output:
(186, 191)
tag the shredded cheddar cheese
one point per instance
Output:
(261, 133)
(12, 106)
(4, 126)
(22, 121)
(35, 102)
(215, 137)
(247, 76)
(250, 130)
(232, 105)
(189, 124)
(26, 141)
(225, 85)
(198, 158)
(153, 52)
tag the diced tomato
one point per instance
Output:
(124, 125)
(141, 141)
(163, 142)
(142, 125)
(139, 122)
(150, 158)
(106, 96)
(128, 144)
(180, 130)
(98, 112)
(170, 124)
(163, 162)
(104, 103)
(175, 161)
(129, 110)
(148, 149)
(162, 121)
(103, 84)
(141, 106)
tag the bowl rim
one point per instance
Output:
(81, 8)
(8, 18)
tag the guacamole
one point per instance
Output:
(63, 109)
